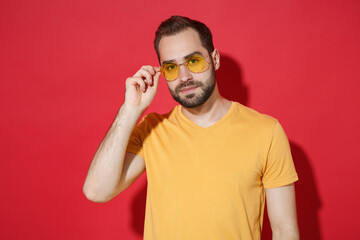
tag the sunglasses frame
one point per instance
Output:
(185, 63)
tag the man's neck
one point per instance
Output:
(210, 112)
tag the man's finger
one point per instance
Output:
(143, 73)
(149, 68)
(156, 79)
(137, 81)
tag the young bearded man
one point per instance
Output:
(210, 162)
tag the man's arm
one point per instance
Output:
(112, 169)
(281, 209)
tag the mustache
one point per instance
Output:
(188, 84)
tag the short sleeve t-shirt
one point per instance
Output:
(208, 183)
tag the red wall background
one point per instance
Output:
(62, 70)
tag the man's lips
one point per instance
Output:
(188, 89)
(187, 86)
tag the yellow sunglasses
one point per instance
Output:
(195, 63)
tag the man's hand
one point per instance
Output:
(142, 87)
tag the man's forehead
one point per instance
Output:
(180, 45)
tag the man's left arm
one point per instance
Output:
(281, 207)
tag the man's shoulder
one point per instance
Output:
(155, 118)
(252, 113)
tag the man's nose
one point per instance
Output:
(184, 73)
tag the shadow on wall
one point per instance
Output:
(307, 197)
(138, 209)
(230, 83)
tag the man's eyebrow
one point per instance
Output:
(185, 57)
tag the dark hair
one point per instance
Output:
(176, 24)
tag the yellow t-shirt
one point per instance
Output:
(208, 183)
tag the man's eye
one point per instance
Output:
(193, 60)
(170, 67)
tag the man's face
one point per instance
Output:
(189, 89)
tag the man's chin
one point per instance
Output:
(189, 101)
(193, 99)
(190, 95)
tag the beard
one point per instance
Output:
(192, 100)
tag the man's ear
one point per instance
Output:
(216, 59)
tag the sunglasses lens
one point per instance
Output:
(196, 64)
(170, 71)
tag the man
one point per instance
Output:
(210, 162)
